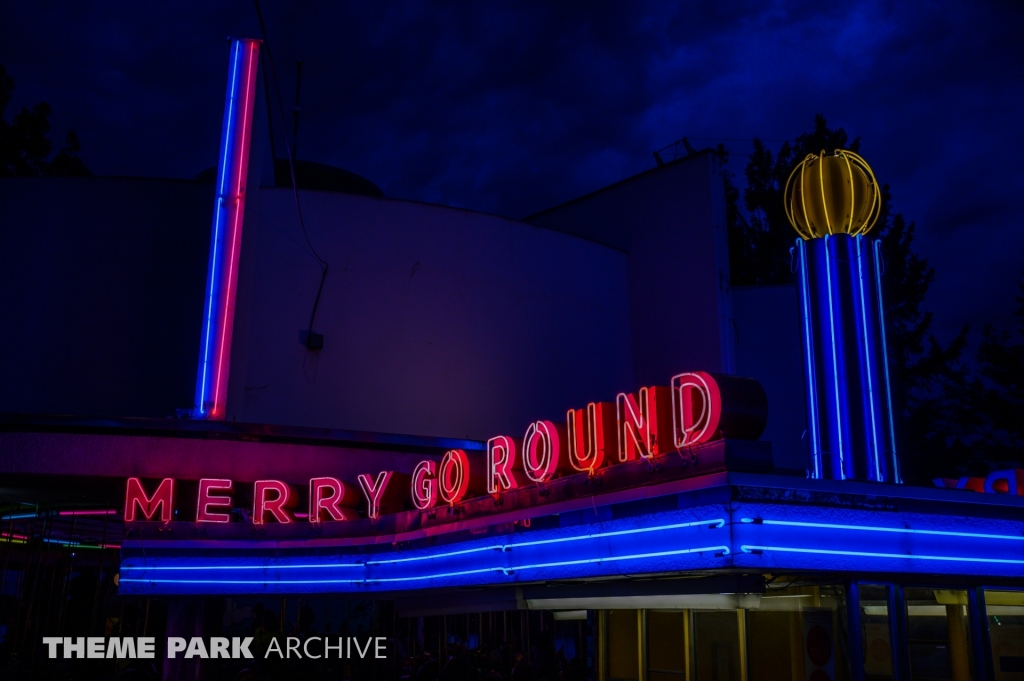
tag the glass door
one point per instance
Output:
(938, 635)
(1005, 612)
(668, 642)
(876, 632)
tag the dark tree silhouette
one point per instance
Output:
(996, 397)
(925, 374)
(25, 144)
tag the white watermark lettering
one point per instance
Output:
(214, 647)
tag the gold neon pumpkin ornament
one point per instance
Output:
(832, 194)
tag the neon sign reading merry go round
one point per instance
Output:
(695, 408)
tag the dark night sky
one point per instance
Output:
(512, 107)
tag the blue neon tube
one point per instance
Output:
(811, 378)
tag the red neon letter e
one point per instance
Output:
(273, 497)
(206, 500)
(135, 498)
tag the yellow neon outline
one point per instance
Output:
(854, 227)
(787, 201)
(853, 191)
(821, 184)
(876, 205)
(803, 196)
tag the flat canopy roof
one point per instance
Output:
(716, 522)
(671, 516)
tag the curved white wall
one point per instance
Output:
(437, 321)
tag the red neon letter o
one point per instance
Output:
(453, 476)
(541, 451)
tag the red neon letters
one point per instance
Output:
(697, 407)
(999, 482)
(273, 497)
(590, 440)
(163, 498)
(205, 500)
(333, 498)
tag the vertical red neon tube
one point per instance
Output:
(226, 239)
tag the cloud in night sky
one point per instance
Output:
(512, 107)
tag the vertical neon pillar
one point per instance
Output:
(849, 406)
(832, 201)
(226, 239)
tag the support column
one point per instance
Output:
(641, 640)
(983, 662)
(854, 631)
(184, 619)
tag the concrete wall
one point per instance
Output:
(768, 348)
(437, 321)
(671, 223)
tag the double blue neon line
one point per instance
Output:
(898, 530)
(507, 571)
(715, 523)
(756, 548)
(750, 548)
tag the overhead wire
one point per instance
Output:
(291, 168)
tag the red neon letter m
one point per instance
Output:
(135, 498)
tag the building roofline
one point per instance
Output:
(613, 185)
(231, 430)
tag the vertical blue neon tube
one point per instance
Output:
(226, 237)
(810, 371)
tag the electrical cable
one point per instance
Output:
(291, 168)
